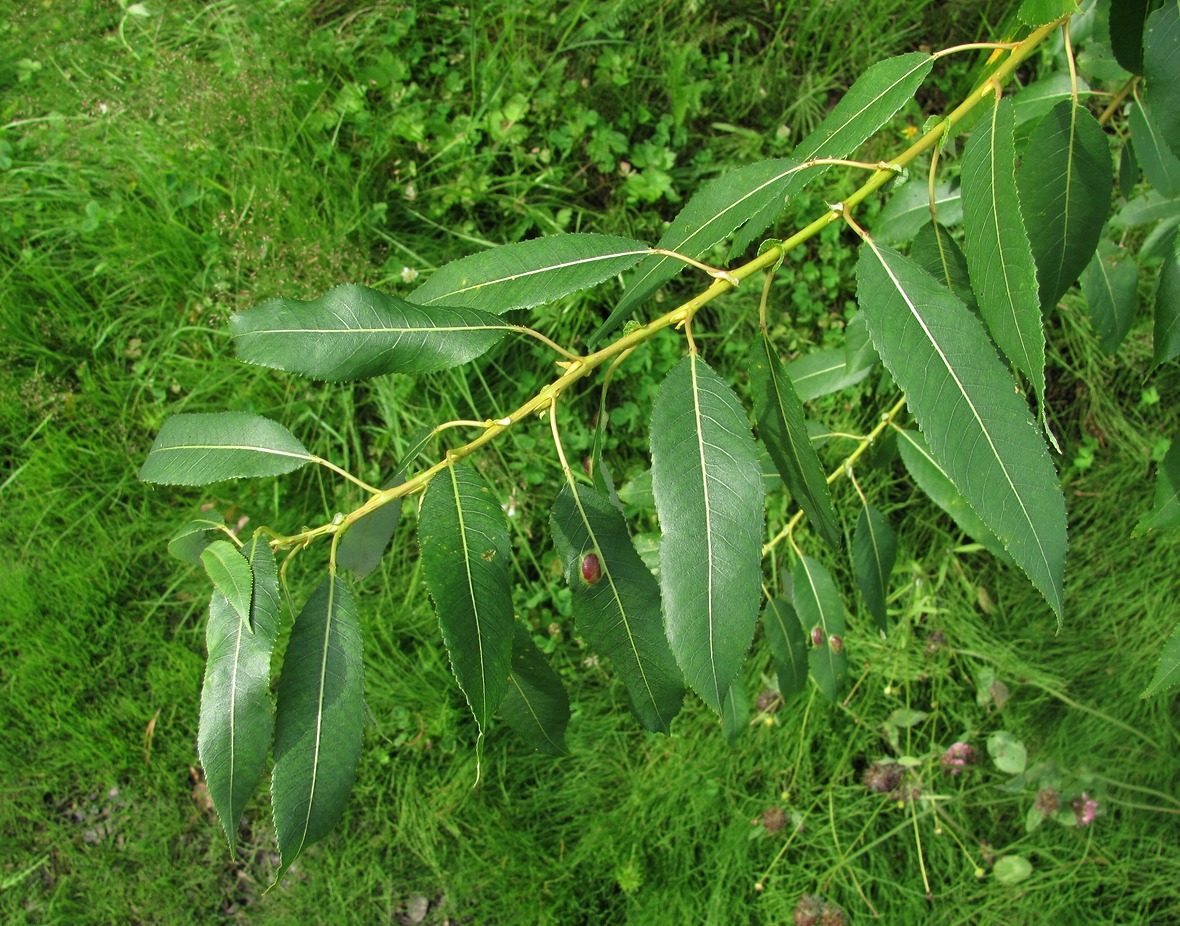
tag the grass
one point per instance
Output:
(164, 171)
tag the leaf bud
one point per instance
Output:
(591, 569)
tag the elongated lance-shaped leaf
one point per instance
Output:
(709, 496)
(198, 449)
(231, 575)
(1161, 70)
(1111, 286)
(932, 479)
(1039, 12)
(1167, 307)
(1159, 162)
(936, 252)
(755, 195)
(465, 556)
(788, 646)
(823, 372)
(874, 551)
(1032, 102)
(529, 273)
(978, 427)
(536, 705)
(616, 602)
(319, 720)
(1065, 185)
(1167, 673)
(735, 710)
(908, 210)
(237, 713)
(353, 332)
(783, 430)
(364, 543)
(187, 543)
(1126, 34)
(999, 256)
(1165, 510)
(818, 604)
(1128, 170)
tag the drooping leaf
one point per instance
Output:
(364, 543)
(237, 714)
(1034, 101)
(999, 255)
(1151, 207)
(1038, 12)
(783, 430)
(874, 551)
(1126, 34)
(709, 496)
(823, 372)
(1065, 185)
(909, 209)
(755, 195)
(735, 710)
(1165, 511)
(788, 646)
(353, 332)
(1161, 71)
(197, 449)
(1166, 337)
(536, 705)
(818, 604)
(529, 273)
(978, 427)
(186, 545)
(618, 615)
(230, 572)
(1128, 170)
(1167, 672)
(936, 484)
(936, 252)
(859, 353)
(1159, 162)
(319, 720)
(465, 557)
(1111, 284)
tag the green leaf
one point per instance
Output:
(909, 209)
(1159, 162)
(999, 256)
(735, 710)
(199, 449)
(823, 372)
(319, 721)
(529, 273)
(788, 646)
(1012, 869)
(783, 430)
(1065, 186)
(1007, 752)
(1039, 12)
(1153, 206)
(1110, 284)
(231, 575)
(1126, 34)
(466, 555)
(932, 479)
(536, 705)
(1035, 100)
(353, 332)
(818, 605)
(874, 551)
(709, 496)
(1167, 307)
(364, 543)
(237, 714)
(936, 252)
(1128, 170)
(1167, 673)
(1165, 512)
(977, 425)
(1161, 71)
(186, 545)
(619, 615)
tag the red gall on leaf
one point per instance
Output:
(817, 636)
(591, 569)
(837, 644)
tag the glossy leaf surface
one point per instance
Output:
(1166, 333)
(783, 430)
(1160, 164)
(319, 720)
(936, 252)
(353, 332)
(197, 449)
(1034, 101)
(874, 551)
(788, 646)
(709, 494)
(1039, 12)
(619, 615)
(1126, 34)
(1111, 286)
(536, 706)
(818, 604)
(1161, 70)
(466, 558)
(231, 575)
(237, 714)
(978, 427)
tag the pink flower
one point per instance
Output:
(1085, 809)
(957, 758)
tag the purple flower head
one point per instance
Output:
(957, 758)
(1085, 809)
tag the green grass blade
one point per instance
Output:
(874, 551)
(237, 714)
(530, 273)
(788, 646)
(978, 427)
(536, 705)
(818, 605)
(783, 430)
(198, 449)
(1110, 284)
(319, 722)
(465, 557)
(709, 496)
(1166, 335)
(999, 255)
(619, 615)
(353, 332)
(1161, 71)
